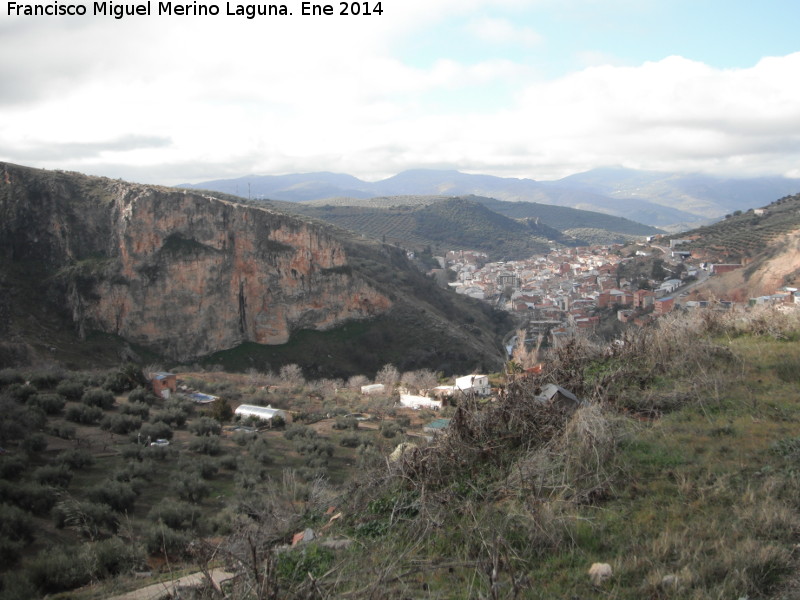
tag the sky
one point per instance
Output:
(516, 88)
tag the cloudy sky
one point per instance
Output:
(523, 88)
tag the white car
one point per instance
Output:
(160, 442)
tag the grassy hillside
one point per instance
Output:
(745, 234)
(680, 473)
(504, 230)
(563, 218)
(444, 225)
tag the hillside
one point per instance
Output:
(743, 235)
(678, 472)
(186, 275)
(676, 201)
(778, 265)
(444, 225)
(704, 196)
(504, 230)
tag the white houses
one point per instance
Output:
(265, 413)
(474, 384)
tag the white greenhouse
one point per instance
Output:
(265, 413)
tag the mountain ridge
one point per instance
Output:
(673, 200)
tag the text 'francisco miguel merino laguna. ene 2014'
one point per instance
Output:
(168, 8)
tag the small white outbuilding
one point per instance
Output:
(265, 413)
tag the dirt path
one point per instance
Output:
(160, 590)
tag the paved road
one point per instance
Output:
(160, 590)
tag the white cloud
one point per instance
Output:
(176, 99)
(503, 31)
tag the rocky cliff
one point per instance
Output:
(180, 272)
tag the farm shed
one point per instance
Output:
(556, 395)
(265, 413)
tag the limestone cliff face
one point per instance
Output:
(183, 273)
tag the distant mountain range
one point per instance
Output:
(673, 201)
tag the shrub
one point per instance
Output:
(71, 390)
(55, 475)
(127, 377)
(242, 437)
(34, 442)
(158, 430)
(296, 430)
(161, 540)
(345, 423)
(86, 415)
(206, 445)
(51, 404)
(390, 429)
(228, 462)
(189, 487)
(135, 471)
(205, 426)
(120, 424)
(175, 514)
(142, 395)
(311, 560)
(259, 450)
(117, 494)
(175, 416)
(20, 392)
(57, 569)
(89, 519)
(314, 447)
(31, 418)
(98, 397)
(76, 459)
(12, 466)
(206, 467)
(10, 376)
(65, 431)
(15, 524)
(46, 379)
(137, 409)
(114, 556)
(221, 410)
(32, 497)
(352, 440)
(157, 452)
(132, 451)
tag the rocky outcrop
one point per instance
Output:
(183, 273)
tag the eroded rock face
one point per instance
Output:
(183, 273)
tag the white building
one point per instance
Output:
(475, 384)
(265, 413)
